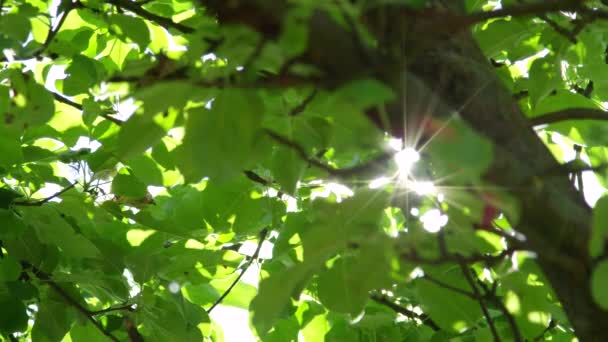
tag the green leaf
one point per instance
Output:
(240, 296)
(294, 36)
(90, 111)
(16, 26)
(82, 74)
(515, 37)
(132, 28)
(219, 142)
(460, 153)
(14, 316)
(201, 294)
(136, 136)
(10, 149)
(160, 96)
(544, 78)
(7, 196)
(10, 268)
(52, 228)
(561, 100)
(146, 170)
(352, 221)
(40, 106)
(182, 316)
(363, 94)
(128, 186)
(346, 285)
(86, 331)
(35, 153)
(599, 227)
(450, 311)
(287, 168)
(599, 284)
(53, 320)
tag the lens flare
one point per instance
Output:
(406, 158)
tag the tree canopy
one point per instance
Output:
(383, 170)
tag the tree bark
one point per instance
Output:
(428, 59)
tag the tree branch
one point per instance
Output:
(490, 294)
(78, 106)
(344, 172)
(570, 35)
(260, 180)
(302, 106)
(53, 31)
(424, 318)
(451, 288)
(162, 21)
(482, 305)
(412, 256)
(126, 307)
(68, 299)
(45, 200)
(262, 237)
(569, 114)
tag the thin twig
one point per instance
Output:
(254, 55)
(53, 31)
(344, 172)
(561, 30)
(482, 305)
(302, 106)
(450, 287)
(68, 299)
(412, 256)
(262, 237)
(45, 200)
(552, 324)
(78, 106)
(490, 294)
(259, 179)
(424, 318)
(126, 307)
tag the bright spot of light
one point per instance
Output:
(440, 197)
(396, 144)
(86, 142)
(433, 220)
(134, 288)
(336, 189)
(406, 158)
(424, 188)
(414, 212)
(174, 287)
(379, 182)
(417, 273)
(209, 57)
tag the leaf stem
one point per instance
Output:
(262, 237)
(424, 318)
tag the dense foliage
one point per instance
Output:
(402, 170)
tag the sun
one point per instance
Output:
(405, 159)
